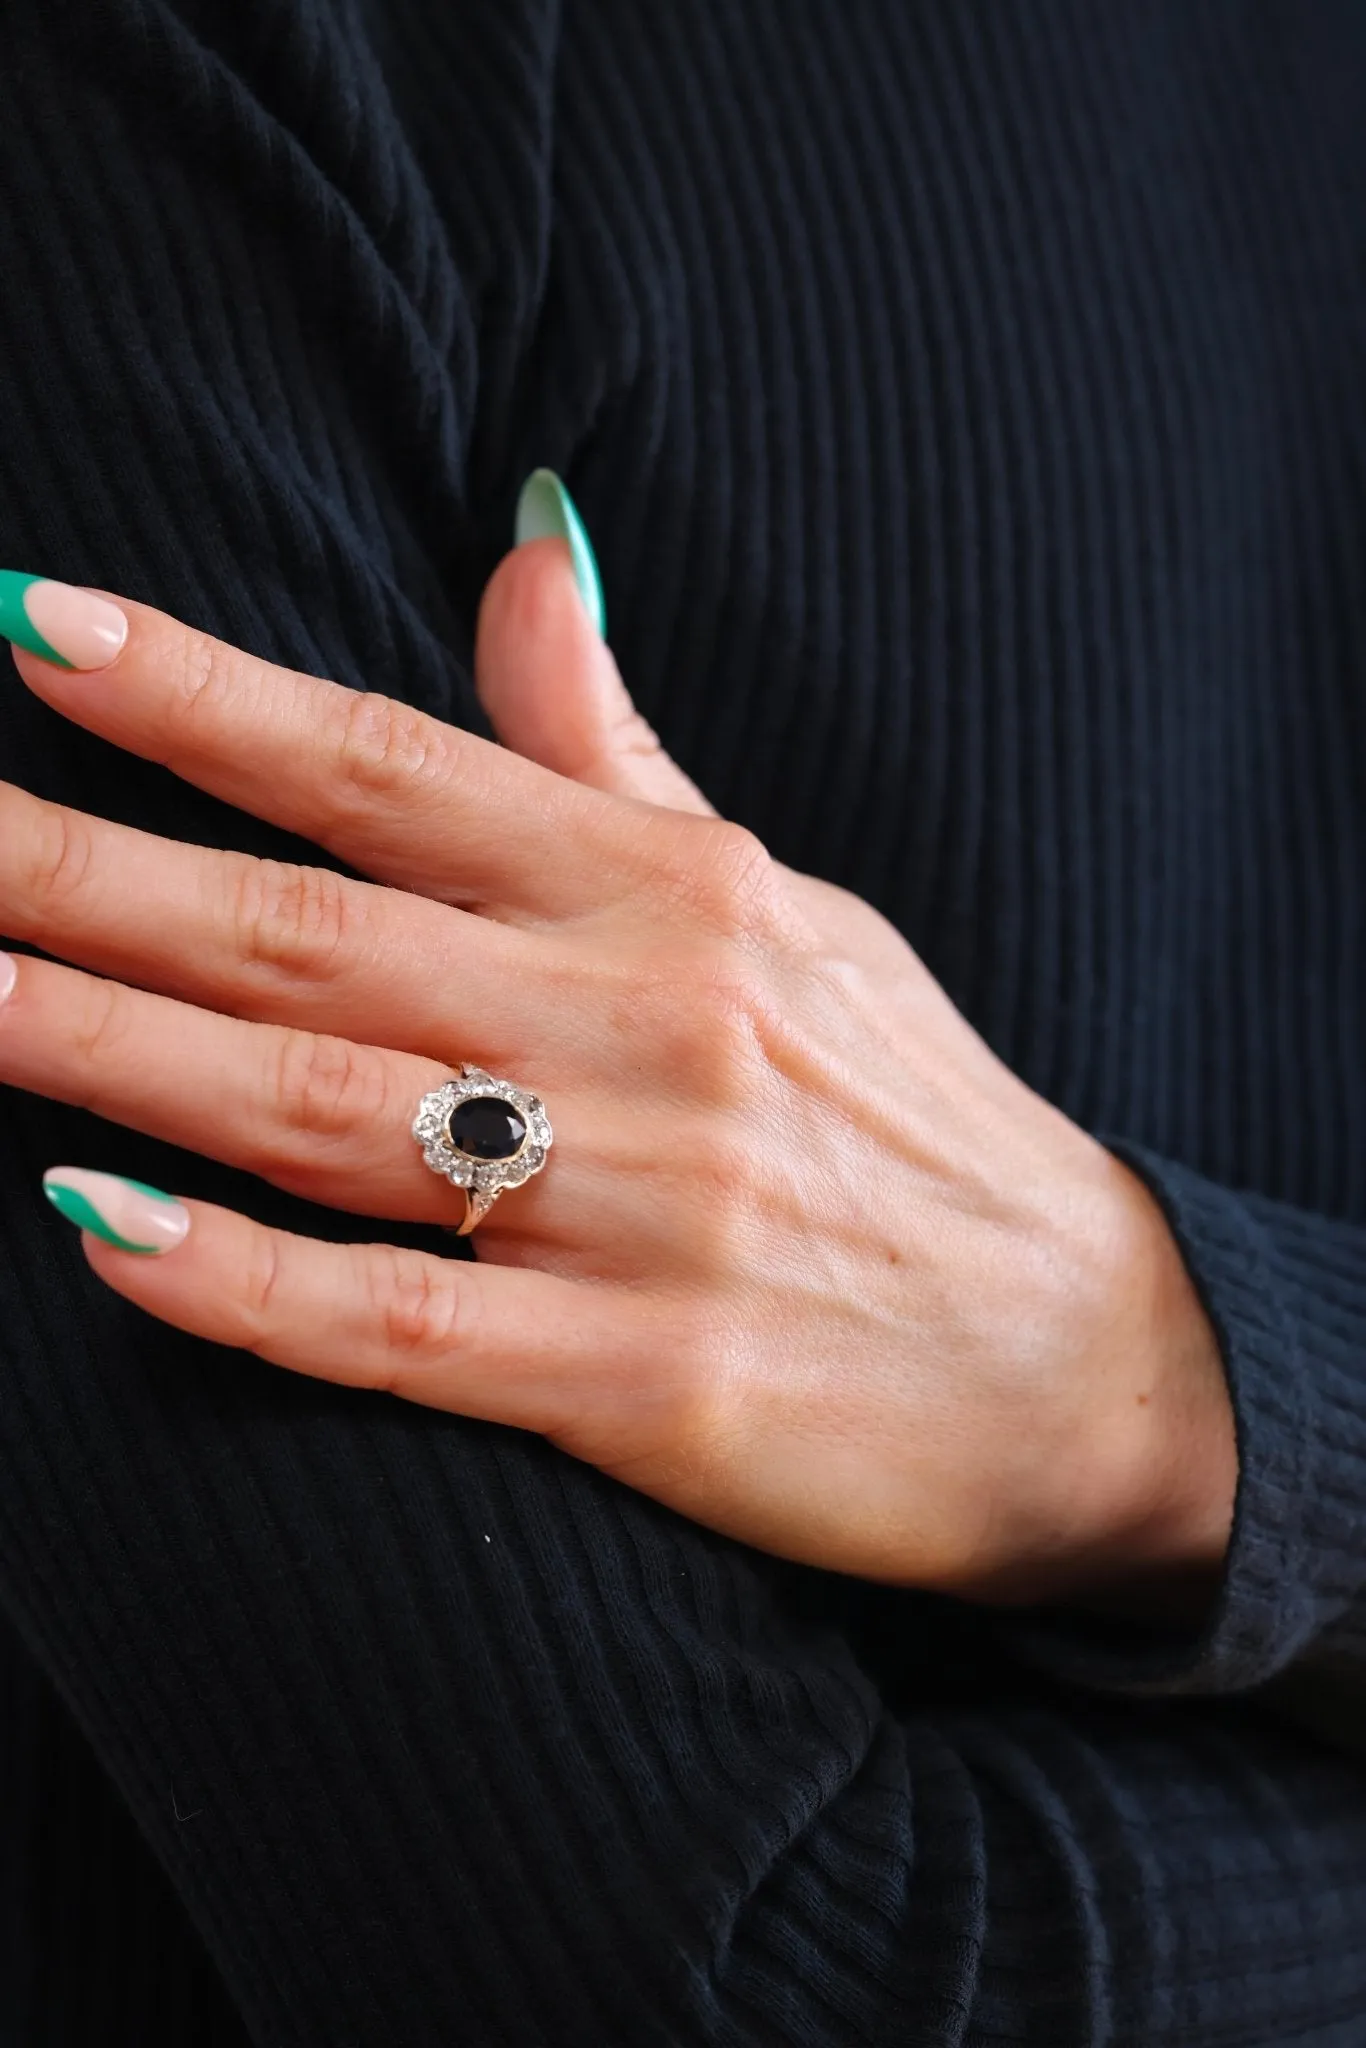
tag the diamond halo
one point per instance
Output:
(486, 1178)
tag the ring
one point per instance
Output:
(483, 1135)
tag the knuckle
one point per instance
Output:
(690, 1389)
(327, 1087)
(211, 676)
(260, 1292)
(416, 1305)
(291, 916)
(63, 852)
(103, 1024)
(714, 1013)
(724, 875)
(385, 747)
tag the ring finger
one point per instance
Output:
(318, 1115)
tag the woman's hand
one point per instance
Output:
(806, 1262)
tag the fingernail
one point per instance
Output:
(545, 511)
(9, 974)
(123, 1212)
(71, 627)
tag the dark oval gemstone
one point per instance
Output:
(486, 1128)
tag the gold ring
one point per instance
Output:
(484, 1135)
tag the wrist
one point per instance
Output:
(1161, 1541)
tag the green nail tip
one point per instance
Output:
(545, 511)
(78, 1210)
(15, 623)
(145, 1188)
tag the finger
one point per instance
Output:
(400, 796)
(331, 1120)
(553, 691)
(320, 1116)
(263, 939)
(510, 1345)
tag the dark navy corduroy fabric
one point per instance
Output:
(969, 405)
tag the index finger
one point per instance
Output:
(400, 796)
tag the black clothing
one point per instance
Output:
(969, 405)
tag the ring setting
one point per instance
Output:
(484, 1135)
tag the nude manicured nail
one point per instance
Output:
(545, 511)
(71, 627)
(126, 1213)
(9, 974)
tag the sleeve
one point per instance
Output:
(437, 1734)
(1285, 1291)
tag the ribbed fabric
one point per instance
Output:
(969, 405)
(1287, 1295)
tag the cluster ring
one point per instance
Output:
(483, 1135)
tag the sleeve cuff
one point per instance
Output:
(1269, 1608)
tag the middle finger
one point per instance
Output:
(270, 940)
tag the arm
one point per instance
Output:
(438, 1730)
(440, 1733)
(1285, 1291)
(518, 1743)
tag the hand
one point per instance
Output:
(807, 1262)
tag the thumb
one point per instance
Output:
(544, 673)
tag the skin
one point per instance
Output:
(807, 1263)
